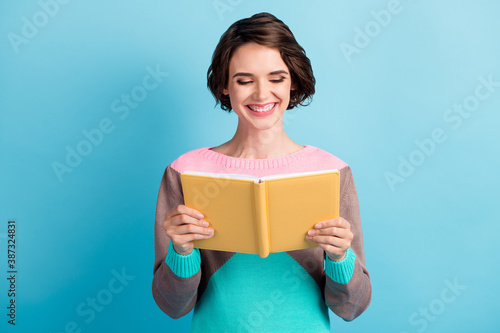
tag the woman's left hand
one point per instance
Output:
(334, 236)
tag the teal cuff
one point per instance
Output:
(183, 266)
(341, 271)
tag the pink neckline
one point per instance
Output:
(248, 163)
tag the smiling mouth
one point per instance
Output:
(261, 107)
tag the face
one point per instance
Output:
(259, 86)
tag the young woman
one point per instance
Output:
(259, 71)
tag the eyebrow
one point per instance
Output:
(250, 74)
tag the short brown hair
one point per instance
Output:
(267, 30)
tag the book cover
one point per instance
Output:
(261, 215)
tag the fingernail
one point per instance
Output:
(311, 232)
(308, 237)
(211, 231)
(199, 215)
(319, 225)
(204, 224)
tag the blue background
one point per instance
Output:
(437, 227)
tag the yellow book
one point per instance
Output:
(261, 215)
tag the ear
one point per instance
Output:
(225, 91)
(293, 87)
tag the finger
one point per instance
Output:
(333, 231)
(336, 222)
(186, 238)
(332, 249)
(330, 240)
(178, 220)
(183, 209)
(192, 229)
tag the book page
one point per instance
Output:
(255, 178)
(296, 174)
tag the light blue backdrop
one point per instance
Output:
(408, 94)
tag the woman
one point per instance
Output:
(259, 71)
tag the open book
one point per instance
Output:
(261, 215)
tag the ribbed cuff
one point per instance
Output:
(341, 271)
(183, 266)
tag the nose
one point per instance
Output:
(261, 91)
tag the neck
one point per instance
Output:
(259, 144)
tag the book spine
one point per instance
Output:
(262, 229)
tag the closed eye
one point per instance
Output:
(247, 82)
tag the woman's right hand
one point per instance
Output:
(183, 225)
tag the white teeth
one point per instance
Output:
(264, 109)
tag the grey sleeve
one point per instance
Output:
(349, 300)
(174, 295)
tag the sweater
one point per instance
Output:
(237, 292)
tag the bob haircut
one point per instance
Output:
(267, 30)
